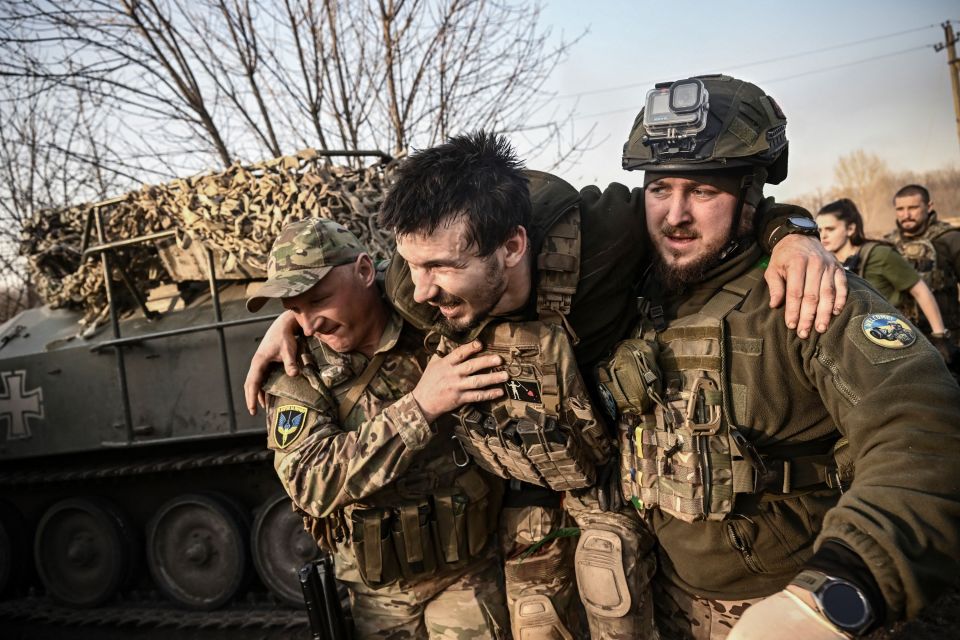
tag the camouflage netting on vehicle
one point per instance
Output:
(236, 213)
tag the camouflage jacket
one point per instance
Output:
(942, 273)
(889, 394)
(385, 448)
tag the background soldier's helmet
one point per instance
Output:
(706, 123)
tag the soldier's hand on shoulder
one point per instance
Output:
(279, 344)
(809, 278)
(787, 616)
(458, 378)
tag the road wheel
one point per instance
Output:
(84, 551)
(197, 551)
(280, 547)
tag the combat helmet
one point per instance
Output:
(708, 123)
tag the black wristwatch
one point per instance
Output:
(793, 224)
(840, 601)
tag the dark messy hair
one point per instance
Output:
(846, 211)
(913, 190)
(476, 177)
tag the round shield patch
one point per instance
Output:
(888, 331)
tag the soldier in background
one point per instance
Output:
(879, 263)
(932, 247)
(358, 449)
(738, 438)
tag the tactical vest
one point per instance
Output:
(544, 430)
(680, 451)
(921, 253)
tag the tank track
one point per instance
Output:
(154, 614)
(179, 462)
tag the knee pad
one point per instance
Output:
(535, 618)
(600, 574)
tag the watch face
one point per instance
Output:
(803, 223)
(844, 605)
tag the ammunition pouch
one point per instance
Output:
(425, 536)
(373, 546)
(679, 451)
(544, 430)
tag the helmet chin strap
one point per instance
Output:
(734, 245)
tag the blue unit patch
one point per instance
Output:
(290, 423)
(888, 331)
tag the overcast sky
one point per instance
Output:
(873, 81)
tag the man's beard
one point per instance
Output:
(918, 228)
(494, 284)
(675, 277)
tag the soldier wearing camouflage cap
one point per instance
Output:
(738, 437)
(544, 275)
(408, 524)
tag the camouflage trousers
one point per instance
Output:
(541, 585)
(463, 605)
(609, 564)
(681, 616)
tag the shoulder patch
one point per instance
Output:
(888, 331)
(290, 422)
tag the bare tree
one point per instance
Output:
(50, 156)
(865, 178)
(190, 83)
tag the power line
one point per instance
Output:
(782, 78)
(745, 65)
(847, 64)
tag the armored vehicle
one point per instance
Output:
(134, 487)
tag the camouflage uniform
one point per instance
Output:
(935, 254)
(606, 554)
(383, 473)
(612, 256)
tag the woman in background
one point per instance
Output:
(877, 262)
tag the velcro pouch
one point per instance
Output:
(373, 548)
(413, 540)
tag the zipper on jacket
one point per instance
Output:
(739, 542)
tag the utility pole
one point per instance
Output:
(949, 44)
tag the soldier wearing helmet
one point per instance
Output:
(542, 274)
(738, 438)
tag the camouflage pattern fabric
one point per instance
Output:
(612, 614)
(302, 255)
(465, 606)
(383, 455)
(237, 213)
(533, 567)
(681, 616)
(326, 466)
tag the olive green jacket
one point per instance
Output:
(900, 410)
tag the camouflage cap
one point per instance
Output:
(303, 253)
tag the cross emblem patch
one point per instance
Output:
(17, 405)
